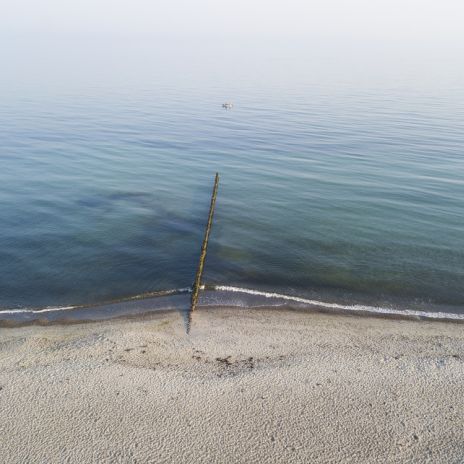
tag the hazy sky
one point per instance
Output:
(230, 40)
(366, 19)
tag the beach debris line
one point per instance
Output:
(196, 287)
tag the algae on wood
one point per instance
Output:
(197, 283)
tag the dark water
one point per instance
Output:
(341, 193)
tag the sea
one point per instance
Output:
(341, 182)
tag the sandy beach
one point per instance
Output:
(249, 386)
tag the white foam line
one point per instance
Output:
(64, 308)
(281, 296)
(370, 309)
(35, 311)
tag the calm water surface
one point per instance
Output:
(339, 193)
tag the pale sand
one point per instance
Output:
(251, 386)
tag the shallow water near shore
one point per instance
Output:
(215, 298)
(333, 192)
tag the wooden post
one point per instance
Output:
(197, 283)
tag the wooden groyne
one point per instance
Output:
(197, 283)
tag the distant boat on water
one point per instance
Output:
(228, 105)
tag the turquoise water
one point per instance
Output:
(345, 194)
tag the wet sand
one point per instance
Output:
(251, 386)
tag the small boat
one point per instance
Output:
(227, 105)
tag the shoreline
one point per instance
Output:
(255, 385)
(218, 296)
(12, 324)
